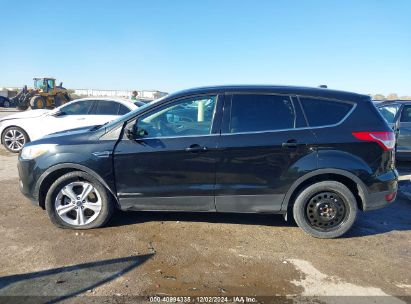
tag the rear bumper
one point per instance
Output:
(387, 187)
(379, 200)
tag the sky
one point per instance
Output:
(362, 46)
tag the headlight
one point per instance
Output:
(31, 152)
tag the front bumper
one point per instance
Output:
(27, 173)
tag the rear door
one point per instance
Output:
(263, 142)
(105, 110)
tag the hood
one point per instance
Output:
(26, 114)
(70, 132)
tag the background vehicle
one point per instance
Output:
(398, 115)
(46, 94)
(4, 102)
(18, 129)
(315, 154)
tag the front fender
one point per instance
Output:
(74, 166)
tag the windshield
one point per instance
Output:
(389, 112)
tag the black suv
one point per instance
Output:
(315, 154)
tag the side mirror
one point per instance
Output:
(135, 133)
(59, 113)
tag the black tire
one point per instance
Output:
(37, 102)
(59, 100)
(23, 107)
(107, 203)
(325, 209)
(11, 145)
(6, 104)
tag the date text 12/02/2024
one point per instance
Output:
(201, 299)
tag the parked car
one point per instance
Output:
(5, 102)
(315, 154)
(138, 103)
(398, 115)
(18, 129)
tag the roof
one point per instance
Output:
(401, 101)
(280, 89)
(126, 102)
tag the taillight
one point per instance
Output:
(385, 139)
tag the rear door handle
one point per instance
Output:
(196, 148)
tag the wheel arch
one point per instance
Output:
(7, 127)
(351, 181)
(53, 173)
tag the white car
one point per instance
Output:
(20, 128)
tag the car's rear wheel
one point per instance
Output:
(6, 104)
(77, 200)
(14, 138)
(325, 209)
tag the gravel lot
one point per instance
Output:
(200, 255)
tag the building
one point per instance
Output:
(143, 95)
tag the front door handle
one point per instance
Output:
(292, 143)
(196, 148)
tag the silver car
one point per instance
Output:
(398, 115)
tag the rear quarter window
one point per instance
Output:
(322, 112)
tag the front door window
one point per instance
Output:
(188, 117)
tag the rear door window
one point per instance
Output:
(107, 107)
(322, 112)
(259, 112)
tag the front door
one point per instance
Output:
(262, 146)
(71, 116)
(172, 165)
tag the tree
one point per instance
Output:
(379, 97)
(392, 96)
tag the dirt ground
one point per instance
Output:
(203, 254)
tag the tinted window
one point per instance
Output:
(389, 112)
(107, 107)
(406, 114)
(252, 112)
(78, 108)
(123, 110)
(192, 116)
(322, 112)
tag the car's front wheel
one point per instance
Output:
(77, 200)
(14, 138)
(325, 209)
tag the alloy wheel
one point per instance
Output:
(14, 140)
(78, 203)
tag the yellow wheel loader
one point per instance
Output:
(45, 94)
